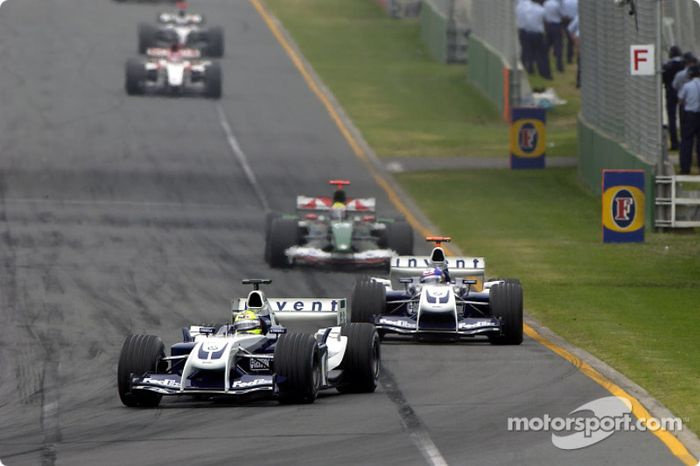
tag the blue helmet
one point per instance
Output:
(433, 275)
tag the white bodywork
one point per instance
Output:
(175, 67)
(183, 26)
(219, 351)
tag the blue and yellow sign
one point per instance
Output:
(528, 138)
(623, 206)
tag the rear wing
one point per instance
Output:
(460, 268)
(325, 203)
(159, 52)
(303, 315)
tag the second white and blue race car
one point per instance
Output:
(441, 297)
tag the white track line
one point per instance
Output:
(428, 449)
(242, 158)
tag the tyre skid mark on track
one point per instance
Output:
(241, 157)
(33, 382)
(417, 431)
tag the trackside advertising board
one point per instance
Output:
(623, 206)
(528, 138)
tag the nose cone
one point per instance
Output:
(342, 236)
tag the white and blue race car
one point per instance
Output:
(302, 346)
(441, 296)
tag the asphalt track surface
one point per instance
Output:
(124, 215)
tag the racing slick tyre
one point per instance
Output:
(362, 358)
(368, 299)
(284, 233)
(212, 81)
(400, 237)
(140, 353)
(135, 76)
(506, 301)
(147, 37)
(297, 364)
(269, 218)
(215, 42)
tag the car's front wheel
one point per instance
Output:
(297, 366)
(140, 354)
(506, 301)
(368, 300)
(361, 361)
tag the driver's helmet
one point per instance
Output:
(247, 322)
(337, 211)
(433, 275)
(175, 52)
(181, 9)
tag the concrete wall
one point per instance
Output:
(434, 31)
(489, 74)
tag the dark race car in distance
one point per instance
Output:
(335, 231)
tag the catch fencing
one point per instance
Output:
(445, 29)
(681, 25)
(615, 104)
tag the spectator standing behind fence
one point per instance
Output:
(680, 80)
(689, 97)
(670, 69)
(553, 30)
(525, 51)
(533, 24)
(569, 9)
(682, 76)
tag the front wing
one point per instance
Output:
(467, 327)
(302, 255)
(170, 384)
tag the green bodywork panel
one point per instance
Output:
(342, 236)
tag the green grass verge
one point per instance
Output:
(635, 306)
(403, 102)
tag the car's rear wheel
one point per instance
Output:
(212, 81)
(399, 237)
(147, 37)
(269, 218)
(361, 361)
(215, 42)
(368, 300)
(284, 233)
(506, 301)
(140, 354)
(297, 366)
(135, 76)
